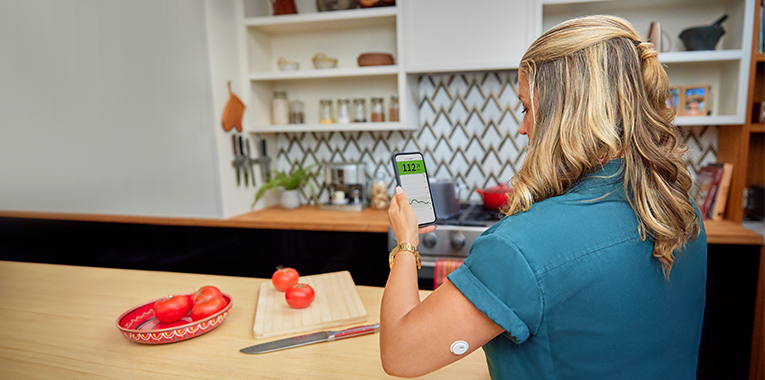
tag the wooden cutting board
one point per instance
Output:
(337, 303)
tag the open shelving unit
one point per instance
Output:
(338, 34)
(725, 69)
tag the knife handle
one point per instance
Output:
(354, 331)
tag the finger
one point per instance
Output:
(426, 229)
(401, 195)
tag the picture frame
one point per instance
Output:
(693, 101)
(674, 97)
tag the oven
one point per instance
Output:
(451, 239)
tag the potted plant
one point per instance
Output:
(292, 183)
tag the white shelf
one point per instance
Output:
(325, 73)
(701, 56)
(370, 126)
(299, 23)
(709, 120)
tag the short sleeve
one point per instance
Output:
(497, 279)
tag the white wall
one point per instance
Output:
(225, 31)
(106, 107)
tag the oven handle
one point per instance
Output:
(427, 262)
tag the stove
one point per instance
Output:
(452, 238)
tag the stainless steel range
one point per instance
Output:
(451, 239)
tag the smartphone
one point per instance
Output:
(412, 176)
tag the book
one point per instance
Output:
(705, 187)
(721, 199)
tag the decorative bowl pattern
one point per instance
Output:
(139, 325)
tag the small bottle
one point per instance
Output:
(343, 111)
(296, 112)
(393, 108)
(360, 107)
(378, 112)
(280, 108)
(325, 112)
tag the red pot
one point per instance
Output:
(495, 197)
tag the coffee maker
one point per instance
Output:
(346, 185)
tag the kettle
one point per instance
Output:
(703, 37)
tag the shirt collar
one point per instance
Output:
(610, 174)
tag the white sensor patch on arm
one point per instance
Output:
(459, 347)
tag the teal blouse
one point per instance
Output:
(579, 294)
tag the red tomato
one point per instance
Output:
(172, 308)
(206, 292)
(283, 278)
(207, 308)
(299, 296)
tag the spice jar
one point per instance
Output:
(325, 112)
(360, 107)
(377, 113)
(280, 108)
(379, 192)
(343, 111)
(296, 112)
(393, 108)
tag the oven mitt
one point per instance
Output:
(232, 114)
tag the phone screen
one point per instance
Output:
(413, 178)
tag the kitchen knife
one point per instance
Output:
(235, 163)
(323, 336)
(243, 161)
(264, 161)
(248, 161)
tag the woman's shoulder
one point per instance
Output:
(559, 228)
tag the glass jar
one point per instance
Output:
(280, 108)
(343, 111)
(296, 112)
(325, 112)
(393, 108)
(360, 108)
(379, 198)
(378, 111)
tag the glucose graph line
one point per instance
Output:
(419, 201)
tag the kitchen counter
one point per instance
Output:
(310, 218)
(58, 321)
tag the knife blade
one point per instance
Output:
(318, 337)
(243, 161)
(235, 163)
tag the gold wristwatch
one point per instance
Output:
(404, 247)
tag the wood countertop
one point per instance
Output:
(60, 322)
(303, 218)
(312, 219)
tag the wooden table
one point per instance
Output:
(59, 322)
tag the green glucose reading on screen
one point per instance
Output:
(410, 170)
(411, 167)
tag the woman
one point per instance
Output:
(599, 269)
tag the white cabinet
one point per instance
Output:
(458, 35)
(725, 70)
(338, 34)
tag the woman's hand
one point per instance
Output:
(403, 220)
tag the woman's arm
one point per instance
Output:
(415, 338)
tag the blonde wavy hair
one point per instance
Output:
(602, 94)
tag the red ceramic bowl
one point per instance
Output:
(139, 325)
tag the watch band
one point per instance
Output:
(404, 247)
